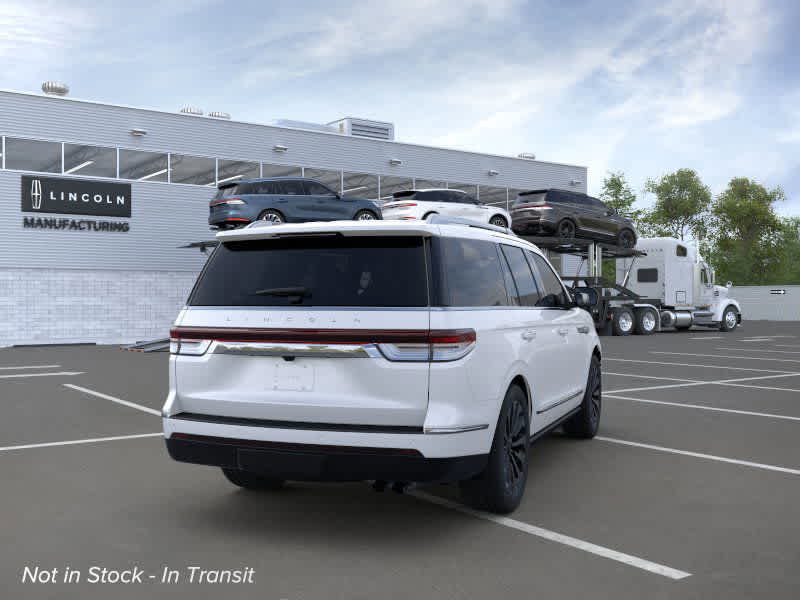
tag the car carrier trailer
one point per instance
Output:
(661, 283)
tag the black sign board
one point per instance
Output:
(75, 196)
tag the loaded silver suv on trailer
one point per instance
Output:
(676, 288)
(383, 350)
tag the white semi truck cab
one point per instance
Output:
(675, 281)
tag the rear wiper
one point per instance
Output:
(284, 292)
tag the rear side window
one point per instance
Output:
(523, 277)
(264, 187)
(228, 191)
(472, 273)
(553, 294)
(314, 188)
(647, 275)
(316, 271)
(289, 188)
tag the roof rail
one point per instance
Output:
(436, 219)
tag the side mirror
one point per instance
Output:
(582, 299)
(729, 285)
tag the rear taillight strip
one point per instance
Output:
(324, 336)
(409, 345)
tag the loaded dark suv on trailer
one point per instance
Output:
(568, 215)
(284, 200)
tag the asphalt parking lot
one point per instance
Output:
(691, 490)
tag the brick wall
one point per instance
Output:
(49, 306)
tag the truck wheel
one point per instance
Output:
(729, 319)
(623, 321)
(646, 321)
(499, 488)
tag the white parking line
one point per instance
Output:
(748, 413)
(786, 345)
(762, 350)
(30, 367)
(639, 376)
(792, 360)
(707, 337)
(20, 375)
(146, 409)
(553, 536)
(86, 441)
(692, 383)
(675, 364)
(732, 461)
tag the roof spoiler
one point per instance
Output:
(227, 184)
(404, 193)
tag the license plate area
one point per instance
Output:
(292, 376)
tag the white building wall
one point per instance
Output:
(58, 306)
(759, 303)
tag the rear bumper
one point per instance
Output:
(314, 462)
(531, 225)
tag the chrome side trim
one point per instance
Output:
(445, 430)
(297, 350)
(560, 402)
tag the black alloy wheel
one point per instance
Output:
(273, 216)
(498, 221)
(586, 422)
(515, 443)
(566, 229)
(500, 486)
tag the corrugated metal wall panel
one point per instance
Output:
(760, 304)
(63, 119)
(163, 217)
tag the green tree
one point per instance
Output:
(749, 240)
(618, 194)
(682, 202)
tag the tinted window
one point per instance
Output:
(511, 287)
(538, 198)
(553, 293)
(325, 271)
(647, 275)
(317, 189)
(264, 187)
(473, 273)
(523, 277)
(289, 187)
(680, 251)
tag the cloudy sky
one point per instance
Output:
(643, 87)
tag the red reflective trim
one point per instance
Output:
(325, 336)
(237, 219)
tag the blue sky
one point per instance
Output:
(643, 87)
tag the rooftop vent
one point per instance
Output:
(192, 110)
(302, 125)
(55, 88)
(527, 155)
(376, 130)
(216, 114)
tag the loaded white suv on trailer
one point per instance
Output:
(386, 350)
(421, 204)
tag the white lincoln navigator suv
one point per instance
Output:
(384, 350)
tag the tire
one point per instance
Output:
(566, 230)
(365, 215)
(585, 423)
(730, 319)
(499, 488)
(623, 321)
(273, 216)
(646, 321)
(251, 481)
(626, 238)
(425, 218)
(498, 221)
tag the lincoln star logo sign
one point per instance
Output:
(36, 194)
(73, 196)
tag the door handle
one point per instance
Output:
(528, 335)
(583, 329)
(563, 331)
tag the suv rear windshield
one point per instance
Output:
(322, 271)
(537, 198)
